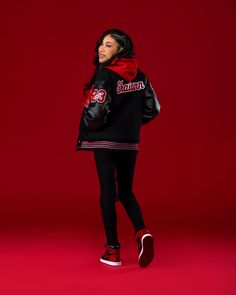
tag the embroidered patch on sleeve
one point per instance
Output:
(96, 96)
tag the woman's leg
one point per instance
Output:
(125, 164)
(105, 164)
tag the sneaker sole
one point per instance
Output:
(147, 251)
(110, 262)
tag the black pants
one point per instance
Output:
(117, 165)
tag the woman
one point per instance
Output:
(119, 99)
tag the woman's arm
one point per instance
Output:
(98, 104)
(151, 105)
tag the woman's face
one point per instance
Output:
(107, 49)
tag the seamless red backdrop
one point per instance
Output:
(185, 173)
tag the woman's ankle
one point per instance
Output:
(114, 245)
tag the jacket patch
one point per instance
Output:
(129, 86)
(96, 96)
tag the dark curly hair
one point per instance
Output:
(123, 40)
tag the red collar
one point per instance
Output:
(126, 67)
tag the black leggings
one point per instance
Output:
(117, 165)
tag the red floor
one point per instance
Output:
(67, 262)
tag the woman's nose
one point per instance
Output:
(101, 48)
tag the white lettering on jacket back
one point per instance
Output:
(121, 87)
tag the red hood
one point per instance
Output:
(126, 67)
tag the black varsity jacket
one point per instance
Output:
(119, 102)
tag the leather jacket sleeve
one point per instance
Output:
(98, 104)
(151, 105)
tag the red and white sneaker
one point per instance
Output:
(111, 256)
(145, 247)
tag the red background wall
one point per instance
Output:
(186, 167)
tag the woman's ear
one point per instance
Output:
(120, 49)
